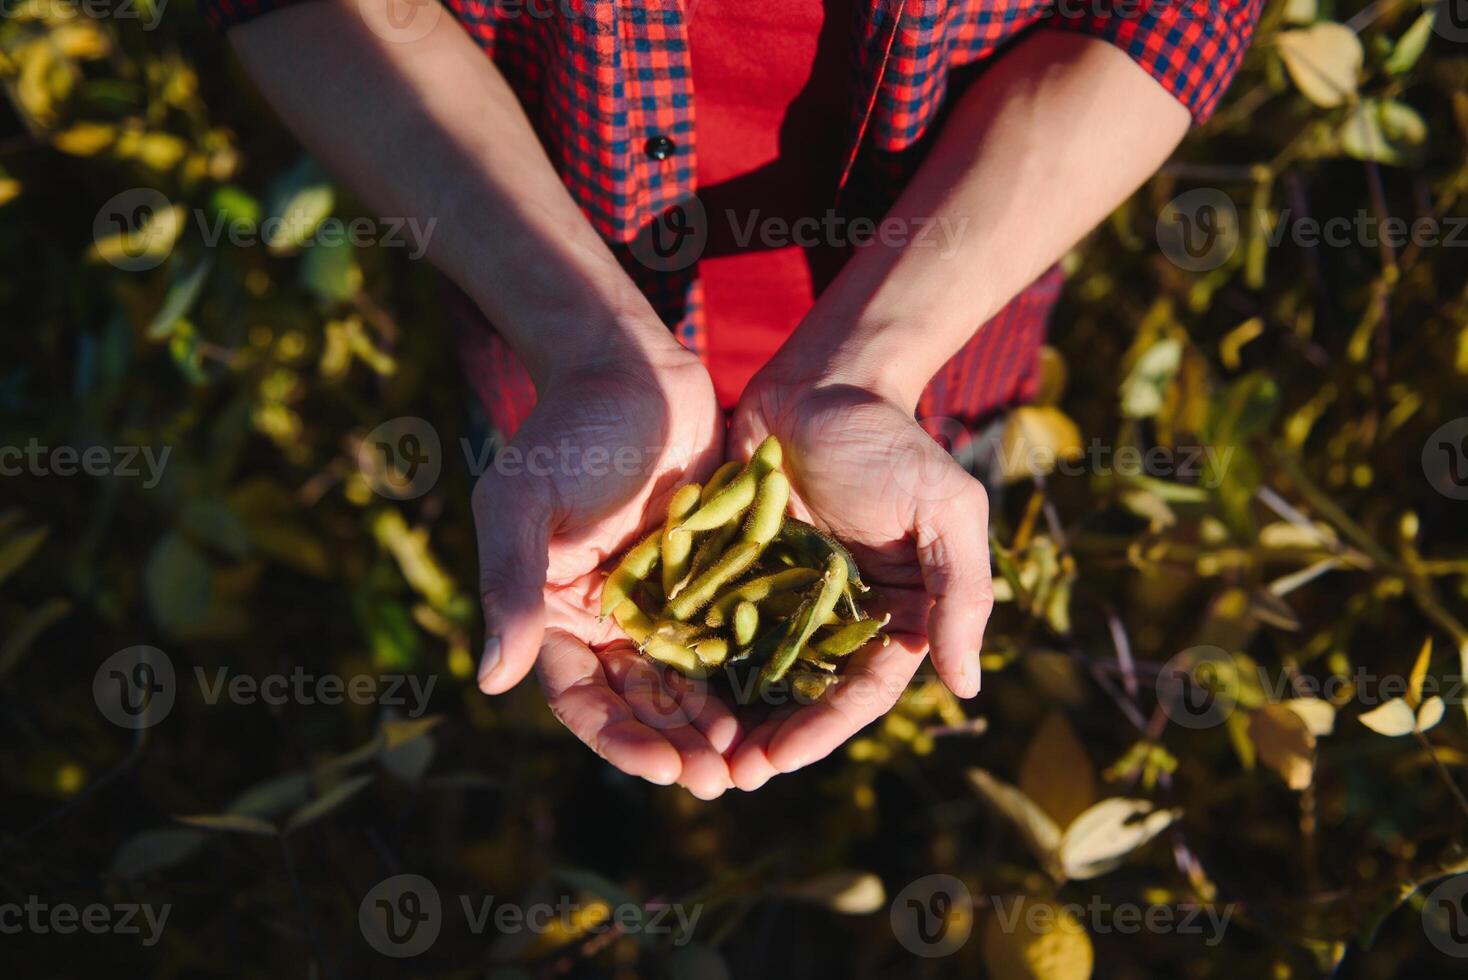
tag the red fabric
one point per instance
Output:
(601, 79)
(772, 99)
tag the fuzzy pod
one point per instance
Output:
(847, 638)
(759, 589)
(817, 545)
(730, 503)
(673, 654)
(635, 566)
(677, 546)
(637, 624)
(746, 622)
(713, 545)
(719, 480)
(762, 522)
(701, 591)
(712, 651)
(807, 619)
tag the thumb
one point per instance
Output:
(512, 517)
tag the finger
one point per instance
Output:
(869, 685)
(750, 766)
(953, 552)
(640, 682)
(708, 712)
(909, 608)
(576, 689)
(512, 516)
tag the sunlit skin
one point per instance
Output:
(1056, 133)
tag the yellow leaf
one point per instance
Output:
(1285, 744)
(153, 241)
(1393, 718)
(84, 139)
(1430, 713)
(847, 892)
(1324, 61)
(1035, 826)
(1035, 939)
(80, 39)
(1318, 715)
(1419, 673)
(1053, 376)
(1101, 838)
(1035, 437)
(1056, 773)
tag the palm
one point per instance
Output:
(917, 524)
(589, 472)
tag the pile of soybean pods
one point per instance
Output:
(732, 581)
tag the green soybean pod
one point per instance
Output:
(635, 566)
(674, 654)
(678, 545)
(811, 614)
(711, 547)
(784, 604)
(817, 544)
(719, 480)
(712, 652)
(746, 622)
(701, 591)
(765, 514)
(731, 502)
(810, 685)
(757, 590)
(637, 624)
(847, 638)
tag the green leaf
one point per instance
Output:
(179, 583)
(212, 522)
(299, 202)
(1388, 132)
(324, 804)
(179, 300)
(156, 850)
(17, 549)
(1411, 44)
(1324, 61)
(330, 271)
(235, 823)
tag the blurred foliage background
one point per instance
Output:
(1320, 551)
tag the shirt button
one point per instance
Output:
(660, 147)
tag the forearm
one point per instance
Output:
(430, 130)
(1040, 149)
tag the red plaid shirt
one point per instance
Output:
(607, 85)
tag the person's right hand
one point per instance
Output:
(588, 474)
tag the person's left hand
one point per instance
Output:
(917, 524)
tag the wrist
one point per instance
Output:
(862, 355)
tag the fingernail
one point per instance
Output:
(488, 661)
(976, 671)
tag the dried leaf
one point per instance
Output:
(1101, 838)
(1285, 744)
(1324, 61)
(1056, 774)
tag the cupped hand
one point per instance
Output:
(862, 468)
(587, 475)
